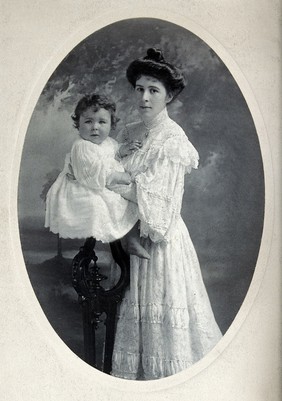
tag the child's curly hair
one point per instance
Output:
(95, 102)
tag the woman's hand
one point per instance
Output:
(70, 173)
(117, 178)
(129, 148)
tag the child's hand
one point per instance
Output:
(129, 148)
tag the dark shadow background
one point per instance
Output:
(223, 204)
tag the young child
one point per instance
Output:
(79, 204)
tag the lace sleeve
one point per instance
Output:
(159, 196)
(160, 188)
(88, 166)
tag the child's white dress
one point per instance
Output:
(165, 322)
(83, 207)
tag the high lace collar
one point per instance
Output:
(159, 119)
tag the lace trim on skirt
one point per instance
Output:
(127, 366)
(155, 313)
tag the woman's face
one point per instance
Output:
(151, 97)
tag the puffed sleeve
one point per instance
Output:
(160, 188)
(88, 165)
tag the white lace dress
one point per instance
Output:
(84, 207)
(165, 322)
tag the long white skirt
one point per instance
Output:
(165, 321)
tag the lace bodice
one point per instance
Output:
(159, 168)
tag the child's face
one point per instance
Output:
(95, 126)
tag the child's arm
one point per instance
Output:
(126, 149)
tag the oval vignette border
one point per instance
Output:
(266, 238)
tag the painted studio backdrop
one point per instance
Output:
(223, 203)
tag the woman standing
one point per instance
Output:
(165, 322)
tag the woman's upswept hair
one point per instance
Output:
(156, 66)
(95, 102)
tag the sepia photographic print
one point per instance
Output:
(181, 160)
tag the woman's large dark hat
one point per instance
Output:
(156, 66)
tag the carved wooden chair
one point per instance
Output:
(95, 300)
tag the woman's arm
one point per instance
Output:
(117, 177)
(159, 197)
(126, 191)
(160, 188)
